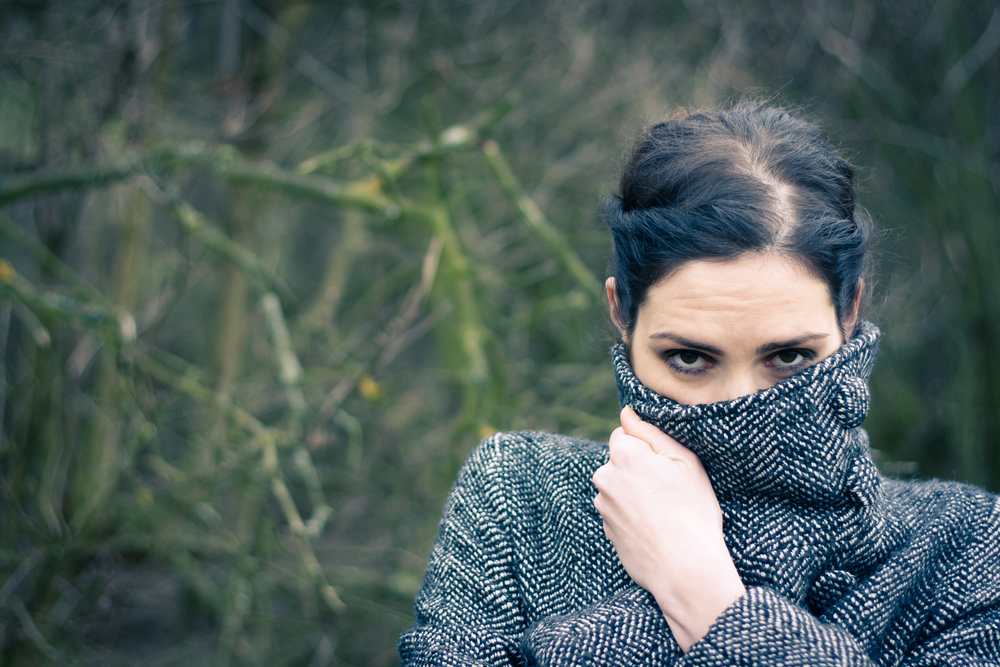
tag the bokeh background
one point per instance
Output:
(269, 270)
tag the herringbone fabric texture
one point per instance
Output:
(842, 566)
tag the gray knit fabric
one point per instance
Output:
(842, 567)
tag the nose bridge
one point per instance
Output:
(742, 382)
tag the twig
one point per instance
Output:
(399, 335)
(913, 138)
(339, 393)
(18, 575)
(65, 307)
(408, 337)
(526, 205)
(415, 299)
(197, 225)
(291, 378)
(12, 505)
(224, 162)
(189, 385)
(290, 370)
(5, 311)
(41, 334)
(322, 512)
(313, 69)
(33, 634)
(471, 331)
(269, 464)
(874, 75)
(451, 139)
(352, 242)
(324, 652)
(17, 188)
(50, 261)
(229, 165)
(306, 553)
(238, 608)
(967, 65)
(355, 437)
(457, 267)
(331, 157)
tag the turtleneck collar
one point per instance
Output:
(798, 441)
(802, 502)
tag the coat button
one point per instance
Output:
(851, 402)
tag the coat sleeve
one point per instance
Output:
(469, 610)
(626, 629)
(762, 628)
(950, 618)
(965, 630)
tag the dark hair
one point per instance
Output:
(713, 185)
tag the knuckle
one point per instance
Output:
(617, 437)
(619, 454)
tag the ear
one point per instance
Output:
(609, 285)
(852, 319)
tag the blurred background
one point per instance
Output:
(269, 270)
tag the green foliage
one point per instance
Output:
(268, 272)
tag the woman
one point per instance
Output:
(735, 518)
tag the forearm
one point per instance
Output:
(691, 602)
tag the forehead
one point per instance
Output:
(764, 289)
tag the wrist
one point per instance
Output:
(692, 604)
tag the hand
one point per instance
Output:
(663, 518)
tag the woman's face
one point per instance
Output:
(717, 330)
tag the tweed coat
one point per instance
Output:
(842, 566)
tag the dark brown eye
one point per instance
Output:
(788, 356)
(689, 361)
(688, 358)
(787, 359)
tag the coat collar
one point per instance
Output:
(799, 441)
(804, 511)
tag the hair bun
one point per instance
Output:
(716, 184)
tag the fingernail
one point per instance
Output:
(628, 411)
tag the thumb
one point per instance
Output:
(659, 442)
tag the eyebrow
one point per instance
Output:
(711, 349)
(794, 342)
(684, 342)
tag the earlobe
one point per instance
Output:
(609, 286)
